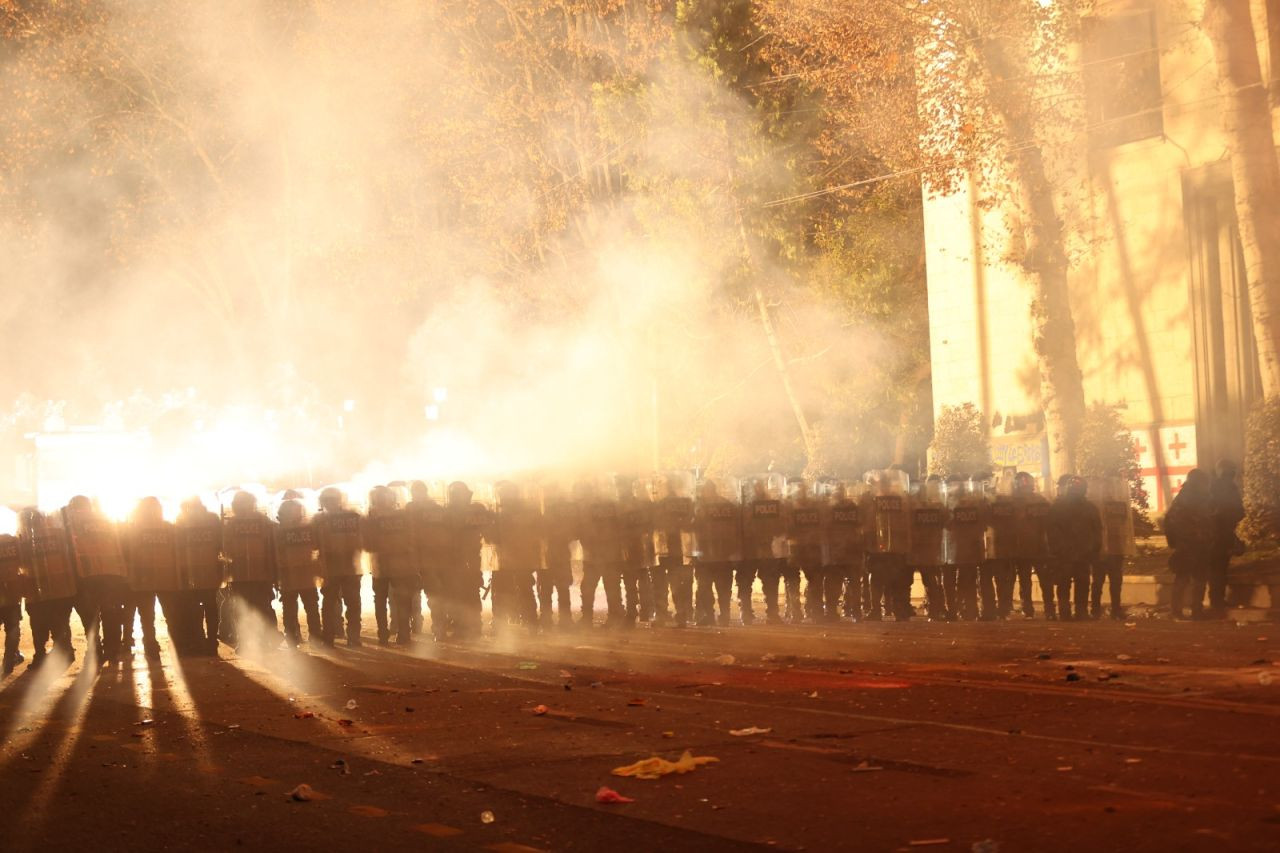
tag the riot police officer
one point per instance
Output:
(1031, 548)
(600, 536)
(102, 578)
(248, 544)
(466, 522)
(13, 586)
(635, 515)
(1111, 496)
(150, 551)
(517, 543)
(928, 524)
(338, 541)
(555, 577)
(844, 556)
(297, 572)
(966, 546)
(888, 541)
(388, 540)
(717, 530)
(1074, 532)
(997, 571)
(198, 538)
(804, 541)
(51, 589)
(764, 546)
(673, 525)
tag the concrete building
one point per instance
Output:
(1157, 281)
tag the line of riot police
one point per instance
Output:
(666, 550)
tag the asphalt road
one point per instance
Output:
(1150, 735)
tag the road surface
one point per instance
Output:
(1150, 735)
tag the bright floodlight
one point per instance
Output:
(432, 412)
(348, 405)
(440, 394)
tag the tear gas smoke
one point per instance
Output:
(263, 245)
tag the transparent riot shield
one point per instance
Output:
(968, 523)
(1112, 498)
(888, 502)
(928, 524)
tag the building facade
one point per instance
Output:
(1157, 280)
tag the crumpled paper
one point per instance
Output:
(657, 767)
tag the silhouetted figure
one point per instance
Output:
(1228, 510)
(1188, 526)
(1074, 531)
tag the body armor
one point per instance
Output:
(13, 581)
(296, 566)
(95, 542)
(153, 558)
(718, 530)
(199, 545)
(338, 539)
(47, 558)
(248, 547)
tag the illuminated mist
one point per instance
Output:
(292, 242)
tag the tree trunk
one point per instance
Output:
(1255, 171)
(1044, 257)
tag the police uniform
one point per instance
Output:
(1112, 500)
(888, 543)
(636, 519)
(764, 546)
(928, 524)
(466, 522)
(388, 540)
(517, 545)
(51, 583)
(198, 537)
(248, 543)
(843, 556)
(997, 575)
(1074, 531)
(673, 523)
(151, 554)
(338, 541)
(966, 549)
(12, 590)
(600, 536)
(804, 541)
(102, 578)
(1031, 551)
(555, 576)
(717, 529)
(297, 573)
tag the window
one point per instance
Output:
(1122, 79)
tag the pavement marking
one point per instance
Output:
(437, 830)
(512, 847)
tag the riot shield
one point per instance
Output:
(889, 512)
(803, 515)
(717, 522)
(1112, 497)
(928, 523)
(967, 524)
(673, 515)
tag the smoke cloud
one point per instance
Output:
(293, 242)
